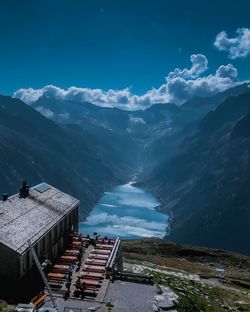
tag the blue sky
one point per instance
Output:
(112, 44)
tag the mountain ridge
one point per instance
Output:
(36, 149)
(207, 180)
(166, 148)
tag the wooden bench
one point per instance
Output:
(100, 252)
(103, 246)
(96, 262)
(90, 282)
(98, 257)
(90, 289)
(55, 284)
(93, 275)
(62, 271)
(94, 268)
(72, 252)
(73, 247)
(56, 281)
(39, 299)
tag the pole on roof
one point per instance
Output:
(40, 269)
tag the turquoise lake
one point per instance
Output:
(127, 212)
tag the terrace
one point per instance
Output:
(85, 270)
(85, 279)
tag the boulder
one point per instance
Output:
(165, 304)
(155, 308)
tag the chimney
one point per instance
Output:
(5, 197)
(24, 190)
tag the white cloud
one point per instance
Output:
(136, 120)
(45, 112)
(228, 71)
(119, 98)
(199, 66)
(238, 46)
(179, 86)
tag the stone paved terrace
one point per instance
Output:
(124, 296)
(119, 296)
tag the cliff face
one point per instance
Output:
(205, 184)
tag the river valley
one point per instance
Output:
(128, 212)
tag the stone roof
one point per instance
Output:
(24, 219)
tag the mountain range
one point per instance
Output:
(36, 149)
(193, 157)
(205, 184)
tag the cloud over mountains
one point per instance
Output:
(179, 86)
(238, 46)
(199, 66)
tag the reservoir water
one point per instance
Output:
(127, 212)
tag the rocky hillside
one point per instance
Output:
(36, 149)
(205, 184)
(137, 141)
(175, 124)
(194, 158)
(191, 279)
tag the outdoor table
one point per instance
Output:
(94, 268)
(72, 251)
(91, 274)
(60, 267)
(57, 275)
(77, 243)
(68, 258)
